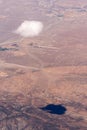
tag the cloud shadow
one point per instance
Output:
(54, 109)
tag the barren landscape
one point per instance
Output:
(43, 79)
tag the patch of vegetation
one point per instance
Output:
(15, 45)
(6, 49)
(3, 49)
(60, 15)
(14, 49)
(31, 44)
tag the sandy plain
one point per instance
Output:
(50, 69)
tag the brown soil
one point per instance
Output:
(48, 70)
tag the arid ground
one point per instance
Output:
(43, 79)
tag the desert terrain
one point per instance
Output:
(43, 79)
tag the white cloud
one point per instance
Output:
(29, 28)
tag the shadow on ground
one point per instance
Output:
(55, 109)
